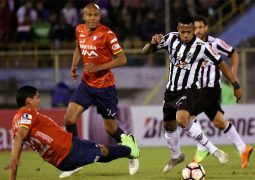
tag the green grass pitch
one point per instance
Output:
(152, 161)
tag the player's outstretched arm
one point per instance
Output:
(75, 61)
(234, 63)
(148, 48)
(16, 151)
(230, 76)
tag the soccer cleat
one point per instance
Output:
(173, 162)
(200, 155)
(221, 156)
(133, 166)
(70, 173)
(245, 156)
(129, 140)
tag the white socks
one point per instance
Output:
(173, 138)
(234, 137)
(194, 130)
(200, 146)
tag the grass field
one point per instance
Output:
(152, 161)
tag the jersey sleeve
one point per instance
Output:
(26, 120)
(164, 43)
(112, 42)
(222, 47)
(212, 55)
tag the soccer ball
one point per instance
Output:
(193, 171)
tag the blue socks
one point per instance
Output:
(72, 129)
(115, 152)
(117, 135)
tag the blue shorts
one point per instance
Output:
(105, 99)
(82, 152)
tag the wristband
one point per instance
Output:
(236, 85)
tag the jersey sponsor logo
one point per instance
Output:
(113, 40)
(44, 136)
(182, 65)
(115, 46)
(212, 51)
(91, 47)
(25, 121)
(37, 146)
(89, 53)
(224, 44)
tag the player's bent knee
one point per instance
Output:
(183, 122)
(183, 118)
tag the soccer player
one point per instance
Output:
(100, 51)
(186, 54)
(44, 136)
(211, 93)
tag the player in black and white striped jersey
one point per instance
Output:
(186, 54)
(211, 93)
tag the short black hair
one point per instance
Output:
(185, 20)
(23, 93)
(200, 18)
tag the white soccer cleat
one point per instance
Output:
(69, 173)
(133, 165)
(173, 162)
(221, 156)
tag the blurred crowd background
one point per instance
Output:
(37, 38)
(41, 21)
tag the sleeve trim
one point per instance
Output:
(117, 52)
(23, 126)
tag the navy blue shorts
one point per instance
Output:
(83, 152)
(105, 99)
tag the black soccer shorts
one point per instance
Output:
(209, 102)
(179, 100)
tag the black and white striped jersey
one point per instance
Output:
(210, 75)
(185, 60)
